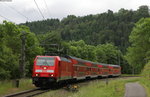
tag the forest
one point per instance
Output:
(120, 38)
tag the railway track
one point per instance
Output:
(28, 93)
(37, 91)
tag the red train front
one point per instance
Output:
(45, 70)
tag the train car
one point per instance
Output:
(48, 70)
(115, 70)
(82, 68)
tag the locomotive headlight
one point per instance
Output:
(52, 75)
(44, 67)
(36, 74)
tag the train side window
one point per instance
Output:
(99, 69)
(78, 68)
(75, 68)
(66, 67)
(89, 69)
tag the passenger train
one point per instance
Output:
(49, 70)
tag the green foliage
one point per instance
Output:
(106, 53)
(146, 71)
(9, 87)
(139, 51)
(145, 80)
(146, 83)
(94, 29)
(40, 27)
(10, 48)
(4, 74)
(82, 50)
(8, 57)
(32, 50)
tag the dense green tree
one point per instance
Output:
(106, 53)
(43, 26)
(8, 57)
(139, 52)
(146, 71)
(50, 41)
(94, 29)
(10, 49)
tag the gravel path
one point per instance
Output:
(134, 90)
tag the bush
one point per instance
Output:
(146, 71)
(4, 74)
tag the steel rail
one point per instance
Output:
(28, 93)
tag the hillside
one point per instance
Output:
(94, 29)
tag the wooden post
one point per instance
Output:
(22, 61)
(106, 80)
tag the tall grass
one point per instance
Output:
(146, 83)
(115, 88)
(7, 87)
(145, 80)
(97, 88)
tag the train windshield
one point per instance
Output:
(45, 61)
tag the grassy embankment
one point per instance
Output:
(128, 75)
(145, 80)
(7, 87)
(114, 89)
(98, 88)
(146, 84)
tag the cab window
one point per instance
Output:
(45, 61)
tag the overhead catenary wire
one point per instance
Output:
(35, 13)
(46, 7)
(5, 18)
(18, 12)
(39, 9)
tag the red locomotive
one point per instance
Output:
(48, 70)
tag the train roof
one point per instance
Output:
(82, 60)
(79, 59)
(114, 65)
(64, 59)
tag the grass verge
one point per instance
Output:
(146, 83)
(97, 88)
(8, 87)
(145, 80)
(115, 88)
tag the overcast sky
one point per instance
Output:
(20, 11)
